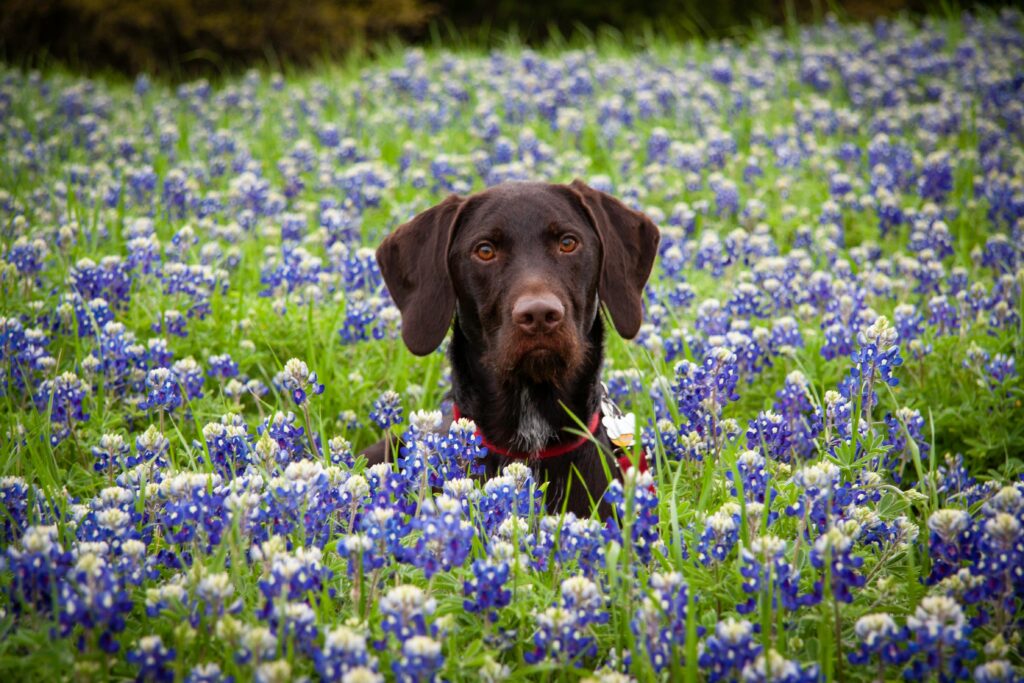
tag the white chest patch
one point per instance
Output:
(534, 431)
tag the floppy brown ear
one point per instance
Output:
(413, 260)
(630, 241)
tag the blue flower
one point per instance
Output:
(297, 380)
(387, 410)
(444, 539)
(344, 649)
(939, 644)
(636, 507)
(153, 659)
(879, 639)
(63, 397)
(420, 662)
(563, 631)
(727, 652)
(486, 591)
(771, 667)
(404, 611)
(660, 621)
(836, 548)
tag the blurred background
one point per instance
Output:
(185, 38)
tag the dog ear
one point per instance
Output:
(630, 243)
(413, 260)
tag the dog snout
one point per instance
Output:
(538, 314)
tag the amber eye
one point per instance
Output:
(568, 244)
(485, 251)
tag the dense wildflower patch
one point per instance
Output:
(195, 342)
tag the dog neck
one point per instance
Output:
(520, 415)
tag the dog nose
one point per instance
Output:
(534, 314)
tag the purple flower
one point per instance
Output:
(939, 644)
(562, 631)
(420, 662)
(486, 591)
(387, 410)
(729, 650)
(344, 649)
(404, 610)
(660, 620)
(153, 659)
(63, 398)
(298, 381)
(445, 536)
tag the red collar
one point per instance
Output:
(553, 452)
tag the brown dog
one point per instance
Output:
(523, 267)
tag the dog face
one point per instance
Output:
(524, 262)
(525, 265)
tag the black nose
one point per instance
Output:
(538, 313)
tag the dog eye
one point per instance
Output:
(485, 251)
(568, 244)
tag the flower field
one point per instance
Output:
(195, 344)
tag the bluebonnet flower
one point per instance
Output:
(943, 315)
(875, 360)
(951, 540)
(769, 433)
(293, 576)
(513, 493)
(208, 673)
(110, 279)
(996, 671)
(445, 536)
(721, 531)
(563, 632)
(298, 381)
(294, 621)
(228, 443)
(189, 375)
(456, 454)
(486, 591)
(571, 541)
(153, 659)
(94, 599)
(339, 451)
(285, 440)
(836, 547)
(660, 621)
(37, 563)
(110, 453)
(404, 610)
(27, 256)
(150, 446)
(190, 512)
(701, 391)
(636, 506)
(879, 640)
(387, 410)
(768, 575)
(222, 366)
(731, 648)
(905, 426)
(421, 660)
(162, 391)
(344, 651)
(15, 499)
(1000, 368)
(939, 643)
(772, 667)
(63, 397)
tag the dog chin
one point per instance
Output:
(542, 365)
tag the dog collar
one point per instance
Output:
(553, 452)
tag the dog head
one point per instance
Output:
(525, 265)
